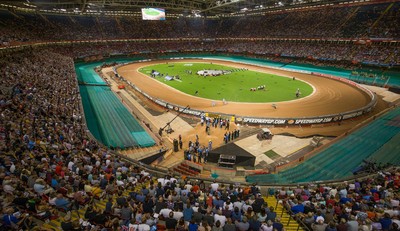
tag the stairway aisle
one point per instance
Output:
(287, 221)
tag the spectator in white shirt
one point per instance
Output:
(219, 217)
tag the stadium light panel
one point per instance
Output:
(153, 14)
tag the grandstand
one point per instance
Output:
(83, 146)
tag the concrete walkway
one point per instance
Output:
(282, 145)
(387, 95)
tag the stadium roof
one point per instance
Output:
(192, 8)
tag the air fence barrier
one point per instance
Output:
(263, 120)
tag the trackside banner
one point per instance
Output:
(292, 121)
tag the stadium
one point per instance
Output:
(200, 115)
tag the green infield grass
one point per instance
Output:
(233, 86)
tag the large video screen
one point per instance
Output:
(153, 14)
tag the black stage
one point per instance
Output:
(243, 158)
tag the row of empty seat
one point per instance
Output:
(86, 74)
(110, 121)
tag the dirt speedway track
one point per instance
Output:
(329, 96)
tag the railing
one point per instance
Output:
(292, 216)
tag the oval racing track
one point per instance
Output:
(329, 96)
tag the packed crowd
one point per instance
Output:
(349, 53)
(39, 102)
(333, 22)
(340, 22)
(125, 48)
(318, 51)
(365, 205)
(40, 125)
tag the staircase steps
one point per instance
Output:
(288, 222)
(185, 169)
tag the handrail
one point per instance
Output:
(292, 216)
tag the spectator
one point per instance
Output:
(221, 219)
(229, 225)
(277, 225)
(352, 224)
(267, 226)
(62, 203)
(386, 222)
(193, 226)
(331, 226)
(171, 222)
(217, 226)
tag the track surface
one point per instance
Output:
(329, 97)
